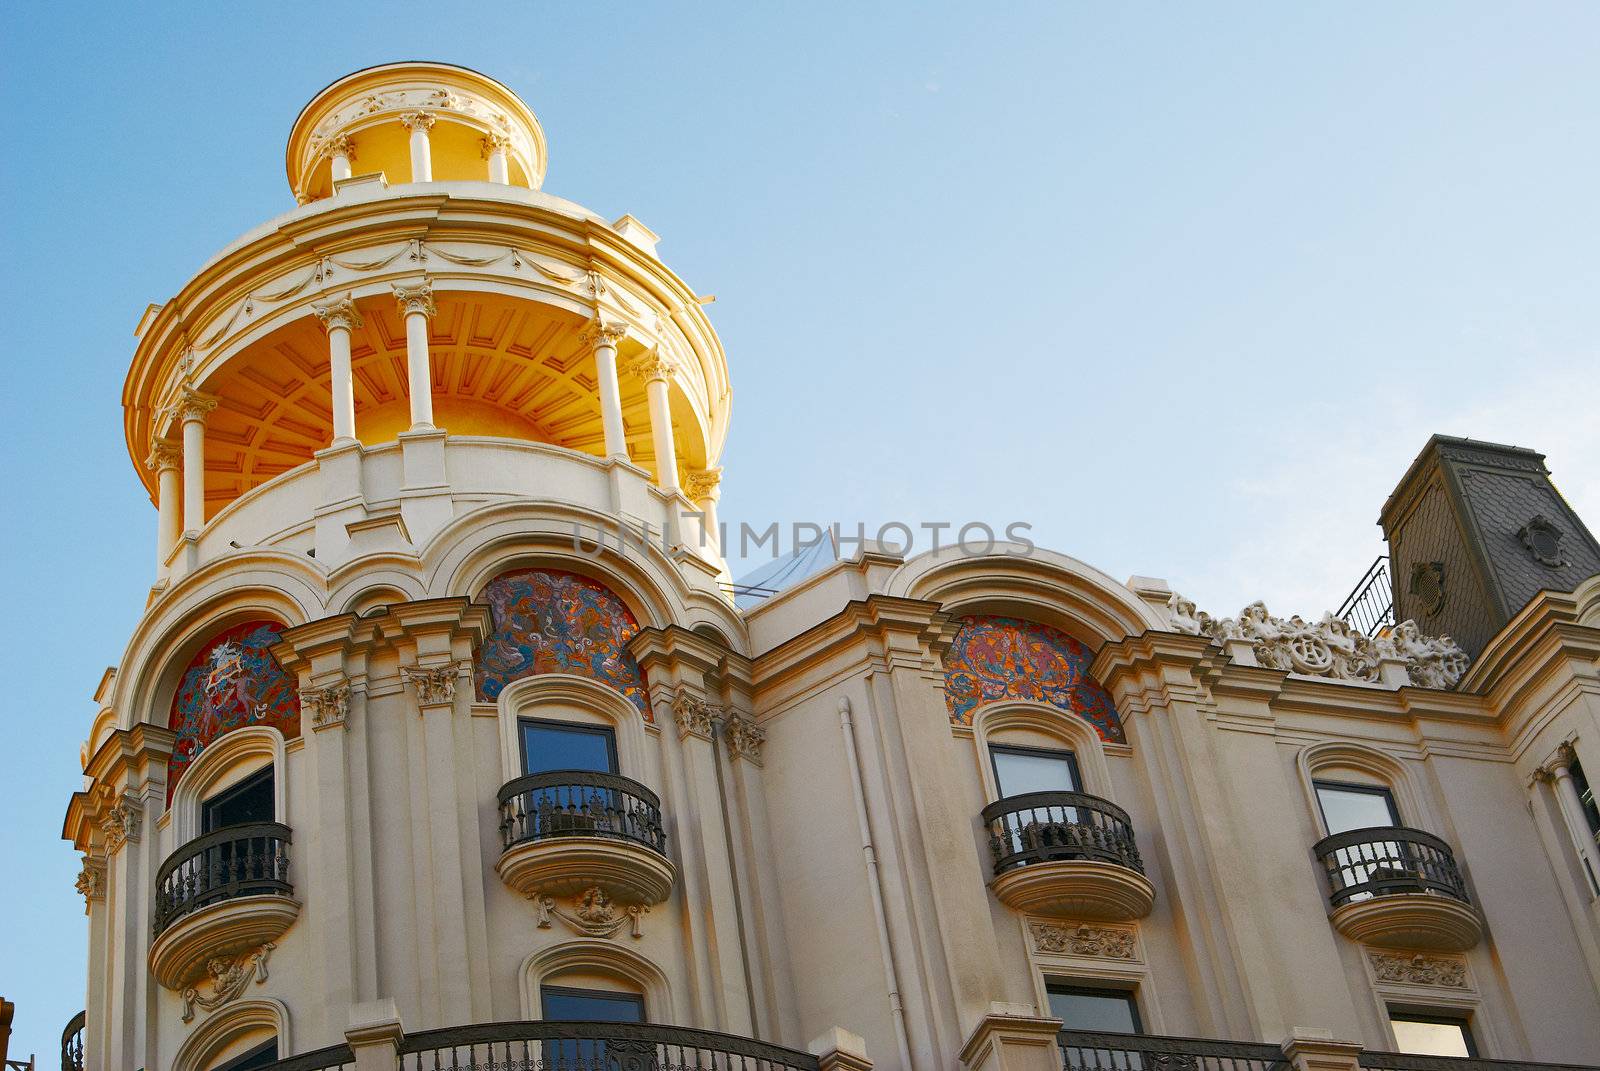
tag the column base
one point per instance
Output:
(1013, 1038)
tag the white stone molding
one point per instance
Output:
(591, 956)
(341, 312)
(1419, 969)
(227, 760)
(212, 1037)
(329, 705)
(228, 975)
(122, 821)
(1083, 939)
(91, 883)
(693, 715)
(593, 914)
(1329, 648)
(416, 297)
(434, 685)
(743, 738)
(582, 701)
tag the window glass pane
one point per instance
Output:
(1438, 1037)
(248, 801)
(591, 1005)
(1084, 1009)
(1345, 808)
(1018, 771)
(261, 1057)
(547, 747)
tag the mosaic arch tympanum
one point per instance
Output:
(553, 621)
(995, 658)
(233, 681)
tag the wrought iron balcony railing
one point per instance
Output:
(555, 1045)
(72, 1043)
(580, 803)
(1040, 827)
(1388, 861)
(1402, 1061)
(1370, 604)
(242, 860)
(1083, 1050)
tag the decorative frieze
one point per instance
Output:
(328, 706)
(693, 715)
(121, 821)
(1105, 942)
(229, 975)
(434, 685)
(743, 738)
(91, 883)
(1443, 972)
(593, 914)
(1327, 648)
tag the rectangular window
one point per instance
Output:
(248, 801)
(1081, 1008)
(1347, 807)
(1020, 770)
(554, 745)
(1591, 811)
(591, 1005)
(1431, 1035)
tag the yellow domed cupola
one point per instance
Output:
(414, 122)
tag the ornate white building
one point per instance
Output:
(442, 742)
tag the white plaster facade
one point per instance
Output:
(828, 865)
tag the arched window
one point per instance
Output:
(997, 658)
(233, 681)
(553, 621)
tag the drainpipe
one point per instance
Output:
(874, 883)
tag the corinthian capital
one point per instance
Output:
(601, 333)
(493, 143)
(342, 145)
(652, 366)
(417, 121)
(339, 313)
(702, 485)
(417, 297)
(164, 455)
(194, 405)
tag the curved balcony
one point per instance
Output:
(72, 1043)
(569, 1046)
(220, 894)
(1069, 854)
(570, 831)
(1397, 888)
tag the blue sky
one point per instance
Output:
(1185, 288)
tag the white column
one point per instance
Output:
(604, 338)
(192, 410)
(342, 150)
(421, 155)
(495, 149)
(166, 461)
(340, 318)
(1572, 813)
(416, 305)
(656, 373)
(704, 489)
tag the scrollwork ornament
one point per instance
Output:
(228, 975)
(1106, 942)
(1444, 972)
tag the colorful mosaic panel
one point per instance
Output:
(551, 621)
(233, 681)
(995, 658)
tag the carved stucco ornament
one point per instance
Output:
(1330, 647)
(743, 738)
(328, 706)
(121, 821)
(1543, 540)
(1107, 942)
(693, 715)
(91, 883)
(229, 976)
(593, 914)
(1445, 972)
(435, 685)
